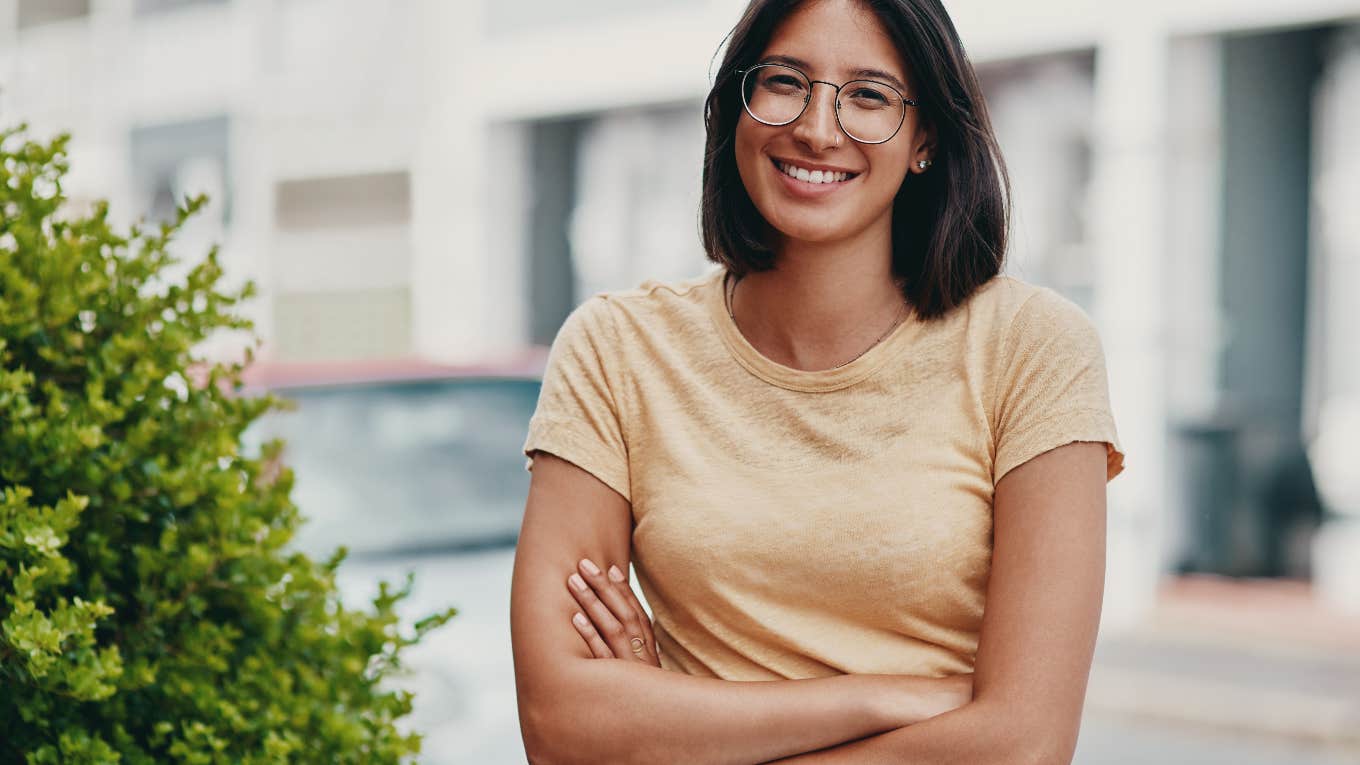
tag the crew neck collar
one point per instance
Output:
(811, 381)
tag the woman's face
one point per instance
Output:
(836, 41)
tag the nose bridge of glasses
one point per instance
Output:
(835, 97)
(835, 90)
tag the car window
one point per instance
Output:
(404, 467)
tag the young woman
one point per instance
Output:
(854, 462)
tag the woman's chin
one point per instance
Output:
(805, 233)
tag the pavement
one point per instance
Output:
(1259, 659)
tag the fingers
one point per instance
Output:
(638, 626)
(598, 648)
(602, 621)
(611, 613)
(620, 579)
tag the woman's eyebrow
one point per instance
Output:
(868, 73)
(879, 74)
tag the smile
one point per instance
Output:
(814, 177)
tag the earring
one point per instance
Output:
(923, 164)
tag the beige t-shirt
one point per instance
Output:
(792, 523)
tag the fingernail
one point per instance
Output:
(591, 567)
(577, 582)
(579, 619)
(615, 574)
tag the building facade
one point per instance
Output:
(448, 179)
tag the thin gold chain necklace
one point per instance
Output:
(730, 293)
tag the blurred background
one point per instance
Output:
(424, 189)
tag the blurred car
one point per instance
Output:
(417, 467)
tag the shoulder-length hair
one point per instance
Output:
(949, 223)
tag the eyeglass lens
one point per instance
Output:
(777, 95)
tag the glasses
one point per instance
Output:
(867, 110)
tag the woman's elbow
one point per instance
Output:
(1045, 745)
(1017, 738)
(552, 736)
(542, 745)
(1057, 750)
(542, 730)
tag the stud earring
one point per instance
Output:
(923, 164)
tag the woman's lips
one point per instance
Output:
(807, 189)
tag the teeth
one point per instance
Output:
(814, 176)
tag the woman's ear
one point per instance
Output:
(924, 148)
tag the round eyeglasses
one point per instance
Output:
(867, 110)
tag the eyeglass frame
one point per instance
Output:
(836, 109)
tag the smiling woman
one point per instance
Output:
(855, 463)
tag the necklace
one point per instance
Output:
(729, 293)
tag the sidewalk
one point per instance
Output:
(1247, 656)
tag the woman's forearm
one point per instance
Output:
(975, 734)
(596, 711)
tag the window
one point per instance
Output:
(34, 13)
(174, 160)
(352, 200)
(1043, 109)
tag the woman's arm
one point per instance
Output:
(1038, 630)
(577, 709)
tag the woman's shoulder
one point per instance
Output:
(660, 303)
(1007, 304)
(662, 291)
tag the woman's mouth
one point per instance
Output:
(805, 182)
(812, 176)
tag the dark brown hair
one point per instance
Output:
(949, 224)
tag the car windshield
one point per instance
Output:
(405, 467)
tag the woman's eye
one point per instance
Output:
(783, 83)
(869, 97)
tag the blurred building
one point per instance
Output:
(448, 179)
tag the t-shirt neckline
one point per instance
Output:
(812, 381)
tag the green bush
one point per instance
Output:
(150, 610)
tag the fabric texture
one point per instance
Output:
(792, 523)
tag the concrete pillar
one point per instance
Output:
(1129, 307)
(458, 300)
(1332, 410)
(105, 167)
(247, 254)
(1194, 242)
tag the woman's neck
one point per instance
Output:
(822, 304)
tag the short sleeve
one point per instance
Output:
(578, 417)
(1052, 387)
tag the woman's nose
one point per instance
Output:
(816, 126)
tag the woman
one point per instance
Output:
(824, 458)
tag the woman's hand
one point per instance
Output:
(611, 621)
